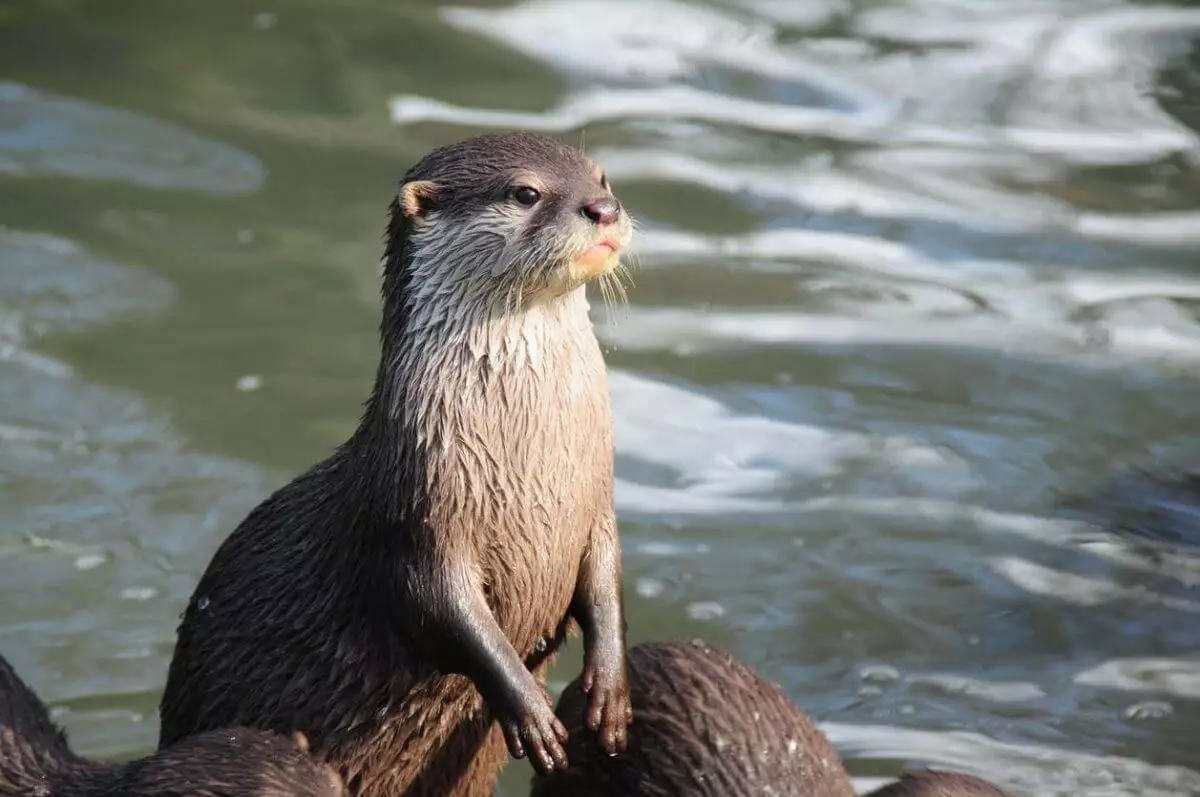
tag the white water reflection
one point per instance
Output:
(1082, 590)
(1179, 677)
(44, 134)
(1074, 82)
(710, 459)
(678, 102)
(880, 184)
(52, 284)
(1027, 769)
(1097, 316)
(1058, 79)
(625, 41)
(683, 332)
(1170, 230)
(951, 683)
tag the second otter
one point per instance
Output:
(400, 596)
(709, 726)
(232, 762)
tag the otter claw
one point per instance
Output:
(609, 710)
(543, 738)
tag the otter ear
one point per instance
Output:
(418, 197)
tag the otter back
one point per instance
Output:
(35, 760)
(707, 724)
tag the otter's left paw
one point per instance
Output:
(609, 711)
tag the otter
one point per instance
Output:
(400, 601)
(707, 724)
(35, 759)
(927, 783)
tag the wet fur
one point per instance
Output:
(706, 726)
(939, 784)
(36, 760)
(355, 603)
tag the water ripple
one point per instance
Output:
(1071, 86)
(1023, 768)
(43, 134)
(103, 499)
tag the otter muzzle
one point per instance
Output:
(597, 260)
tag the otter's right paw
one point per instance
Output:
(539, 733)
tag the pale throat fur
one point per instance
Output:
(499, 398)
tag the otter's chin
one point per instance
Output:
(596, 261)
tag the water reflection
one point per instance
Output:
(45, 135)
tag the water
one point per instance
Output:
(907, 273)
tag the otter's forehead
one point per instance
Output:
(484, 165)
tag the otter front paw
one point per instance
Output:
(609, 711)
(539, 733)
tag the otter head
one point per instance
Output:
(705, 724)
(507, 219)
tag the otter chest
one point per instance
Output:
(531, 479)
(535, 509)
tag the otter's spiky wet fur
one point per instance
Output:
(36, 760)
(929, 783)
(708, 726)
(400, 596)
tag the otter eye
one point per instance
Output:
(526, 196)
(604, 181)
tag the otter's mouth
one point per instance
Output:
(597, 260)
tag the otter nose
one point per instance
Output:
(602, 211)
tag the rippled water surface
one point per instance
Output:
(907, 274)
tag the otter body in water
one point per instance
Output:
(939, 784)
(399, 602)
(238, 762)
(709, 726)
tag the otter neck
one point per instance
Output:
(459, 366)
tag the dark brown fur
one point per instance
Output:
(705, 724)
(708, 726)
(36, 760)
(939, 784)
(400, 597)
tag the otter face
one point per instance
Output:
(514, 215)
